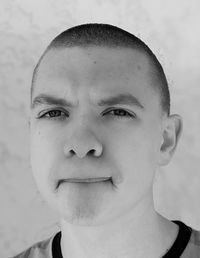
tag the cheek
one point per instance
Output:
(138, 151)
(45, 151)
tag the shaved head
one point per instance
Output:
(109, 36)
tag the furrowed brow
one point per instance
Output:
(126, 99)
(43, 99)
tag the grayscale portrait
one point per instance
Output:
(99, 133)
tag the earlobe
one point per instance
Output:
(172, 128)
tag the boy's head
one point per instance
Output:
(100, 123)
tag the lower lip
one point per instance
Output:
(86, 180)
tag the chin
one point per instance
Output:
(84, 214)
(84, 204)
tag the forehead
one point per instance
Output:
(59, 62)
(94, 69)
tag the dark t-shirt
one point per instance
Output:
(186, 245)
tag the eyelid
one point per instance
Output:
(44, 112)
(130, 113)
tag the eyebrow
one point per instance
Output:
(43, 99)
(126, 99)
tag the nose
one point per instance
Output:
(83, 143)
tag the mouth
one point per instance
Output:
(85, 180)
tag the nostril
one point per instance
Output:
(92, 152)
(72, 151)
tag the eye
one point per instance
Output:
(54, 114)
(121, 113)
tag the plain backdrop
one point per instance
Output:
(170, 28)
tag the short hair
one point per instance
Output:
(106, 35)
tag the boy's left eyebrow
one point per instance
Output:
(126, 99)
(123, 98)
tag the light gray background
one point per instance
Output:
(170, 28)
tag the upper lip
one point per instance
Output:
(84, 180)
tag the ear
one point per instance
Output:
(171, 131)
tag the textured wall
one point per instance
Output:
(171, 28)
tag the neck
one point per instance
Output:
(139, 233)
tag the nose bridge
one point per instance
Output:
(83, 131)
(83, 140)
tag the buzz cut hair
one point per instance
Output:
(106, 35)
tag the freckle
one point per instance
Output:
(138, 67)
(95, 62)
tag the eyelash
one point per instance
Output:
(57, 117)
(120, 109)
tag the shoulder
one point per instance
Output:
(195, 238)
(42, 249)
(193, 248)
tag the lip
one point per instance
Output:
(85, 180)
